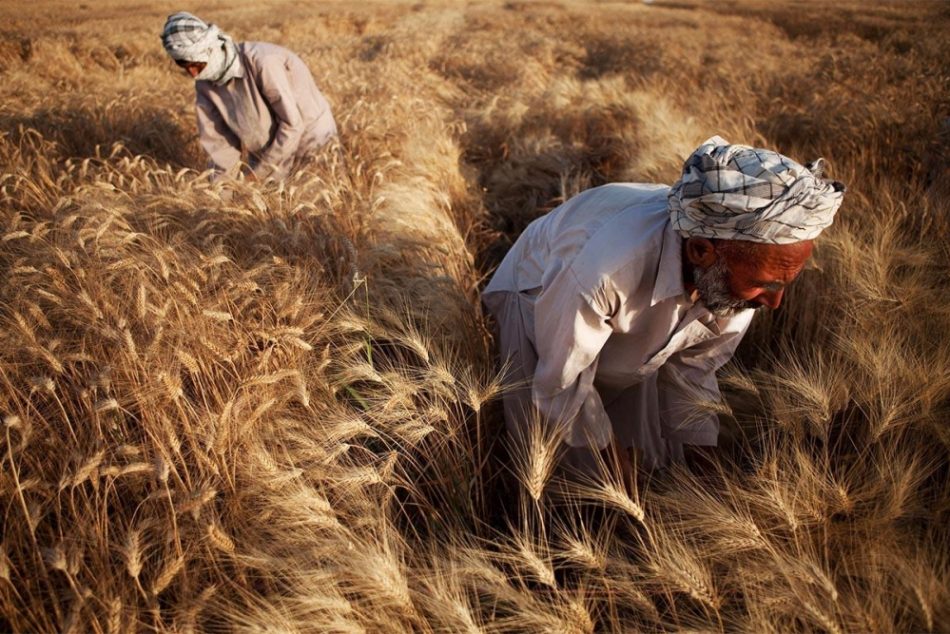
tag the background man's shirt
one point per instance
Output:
(275, 111)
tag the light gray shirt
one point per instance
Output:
(274, 111)
(610, 309)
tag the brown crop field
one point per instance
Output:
(262, 407)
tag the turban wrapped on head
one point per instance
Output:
(188, 38)
(736, 192)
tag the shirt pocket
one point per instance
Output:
(693, 333)
(526, 301)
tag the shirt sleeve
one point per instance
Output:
(216, 138)
(688, 390)
(571, 328)
(277, 88)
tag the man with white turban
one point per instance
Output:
(253, 97)
(616, 309)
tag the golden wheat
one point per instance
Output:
(275, 406)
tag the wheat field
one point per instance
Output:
(276, 407)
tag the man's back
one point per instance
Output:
(594, 234)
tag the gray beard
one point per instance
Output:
(713, 287)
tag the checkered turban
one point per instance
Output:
(188, 38)
(735, 192)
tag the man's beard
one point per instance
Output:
(713, 286)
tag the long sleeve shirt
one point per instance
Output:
(603, 278)
(273, 110)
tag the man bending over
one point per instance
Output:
(252, 96)
(616, 309)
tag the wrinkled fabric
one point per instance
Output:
(735, 192)
(188, 38)
(597, 330)
(275, 112)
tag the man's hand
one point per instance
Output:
(700, 460)
(620, 460)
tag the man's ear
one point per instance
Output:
(701, 252)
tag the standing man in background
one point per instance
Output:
(254, 97)
(616, 309)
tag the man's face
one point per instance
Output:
(192, 68)
(749, 275)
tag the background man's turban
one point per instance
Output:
(188, 38)
(735, 192)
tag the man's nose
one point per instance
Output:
(772, 299)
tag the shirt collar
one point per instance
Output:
(669, 274)
(240, 61)
(239, 71)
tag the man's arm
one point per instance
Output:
(276, 87)
(688, 389)
(571, 327)
(216, 138)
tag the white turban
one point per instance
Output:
(735, 192)
(188, 38)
